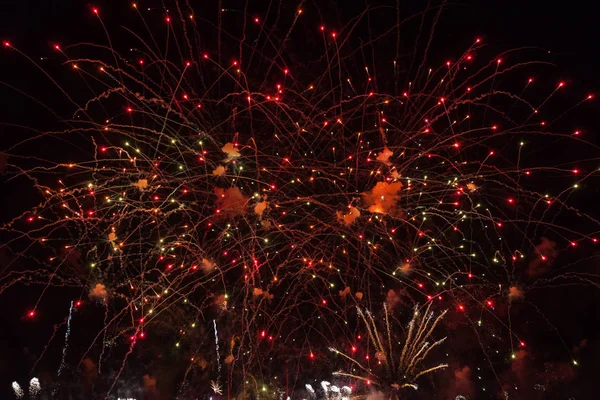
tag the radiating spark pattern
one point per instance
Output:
(401, 367)
(215, 387)
(278, 191)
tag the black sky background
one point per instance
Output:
(568, 29)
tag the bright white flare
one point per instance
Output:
(18, 391)
(34, 387)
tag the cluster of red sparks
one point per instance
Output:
(275, 196)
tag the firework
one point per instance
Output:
(18, 391)
(66, 345)
(329, 392)
(34, 389)
(402, 366)
(275, 192)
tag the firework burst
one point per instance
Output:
(401, 366)
(272, 192)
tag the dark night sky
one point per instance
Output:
(568, 29)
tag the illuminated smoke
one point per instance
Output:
(383, 198)
(349, 217)
(98, 292)
(231, 151)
